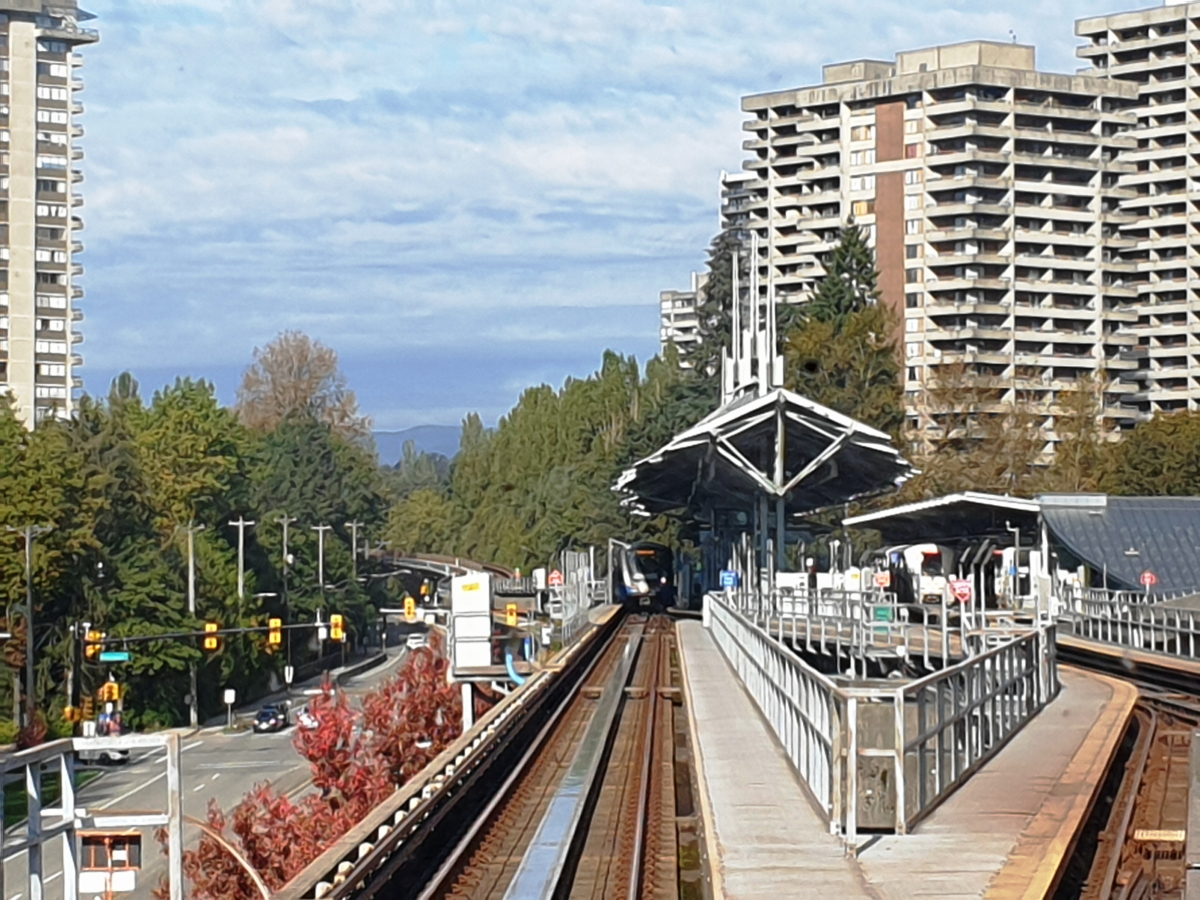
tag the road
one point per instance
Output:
(215, 766)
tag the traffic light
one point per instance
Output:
(89, 708)
(92, 645)
(110, 692)
(275, 632)
(337, 628)
(410, 608)
(211, 641)
(510, 615)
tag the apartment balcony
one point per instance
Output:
(967, 283)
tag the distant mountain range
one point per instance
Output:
(441, 439)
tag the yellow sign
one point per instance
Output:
(410, 609)
(337, 627)
(510, 615)
(469, 586)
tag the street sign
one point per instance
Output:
(115, 656)
(961, 589)
(1148, 579)
(883, 579)
(230, 696)
(729, 578)
(555, 579)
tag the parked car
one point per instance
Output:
(416, 641)
(271, 718)
(306, 719)
(105, 756)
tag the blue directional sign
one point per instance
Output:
(729, 579)
(115, 656)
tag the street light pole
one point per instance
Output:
(354, 526)
(29, 532)
(285, 520)
(241, 524)
(192, 528)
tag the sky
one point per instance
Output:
(464, 198)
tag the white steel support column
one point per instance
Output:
(174, 818)
(70, 849)
(33, 831)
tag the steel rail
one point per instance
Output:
(639, 836)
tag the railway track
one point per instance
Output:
(1140, 852)
(593, 815)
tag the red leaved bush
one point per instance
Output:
(357, 760)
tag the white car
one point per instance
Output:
(306, 720)
(416, 641)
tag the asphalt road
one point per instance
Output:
(215, 766)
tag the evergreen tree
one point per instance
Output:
(851, 279)
(714, 308)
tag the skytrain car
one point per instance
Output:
(644, 576)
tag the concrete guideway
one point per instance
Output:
(1005, 833)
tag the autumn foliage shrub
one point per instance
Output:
(358, 758)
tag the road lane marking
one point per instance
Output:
(130, 793)
(191, 745)
(52, 877)
(216, 775)
(198, 788)
(244, 764)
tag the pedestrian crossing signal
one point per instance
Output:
(212, 642)
(510, 615)
(275, 632)
(337, 627)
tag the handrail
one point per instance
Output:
(943, 726)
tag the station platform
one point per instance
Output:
(1004, 834)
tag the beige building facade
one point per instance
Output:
(1157, 51)
(990, 193)
(40, 222)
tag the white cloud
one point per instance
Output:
(396, 176)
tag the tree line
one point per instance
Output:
(120, 484)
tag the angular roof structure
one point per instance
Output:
(1127, 536)
(779, 444)
(969, 514)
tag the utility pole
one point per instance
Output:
(354, 526)
(192, 528)
(320, 530)
(29, 532)
(285, 520)
(241, 524)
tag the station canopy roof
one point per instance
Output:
(727, 460)
(1128, 536)
(952, 518)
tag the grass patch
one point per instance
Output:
(16, 801)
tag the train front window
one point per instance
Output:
(653, 565)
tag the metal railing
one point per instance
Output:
(910, 745)
(799, 703)
(31, 766)
(1135, 620)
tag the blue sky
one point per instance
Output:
(461, 198)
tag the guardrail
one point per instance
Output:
(59, 757)
(884, 757)
(1130, 619)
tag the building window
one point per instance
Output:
(914, 276)
(914, 176)
(862, 158)
(912, 350)
(913, 251)
(862, 183)
(912, 126)
(912, 151)
(59, 347)
(912, 301)
(913, 372)
(52, 370)
(912, 201)
(914, 226)
(864, 207)
(56, 116)
(52, 93)
(50, 301)
(862, 133)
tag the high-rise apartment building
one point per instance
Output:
(1158, 52)
(38, 221)
(677, 315)
(989, 191)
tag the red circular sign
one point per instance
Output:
(1149, 578)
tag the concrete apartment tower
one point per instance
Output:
(39, 225)
(989, 191)
(1158, 51)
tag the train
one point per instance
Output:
(644, 576)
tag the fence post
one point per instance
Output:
(851, 729)
(899, 780)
